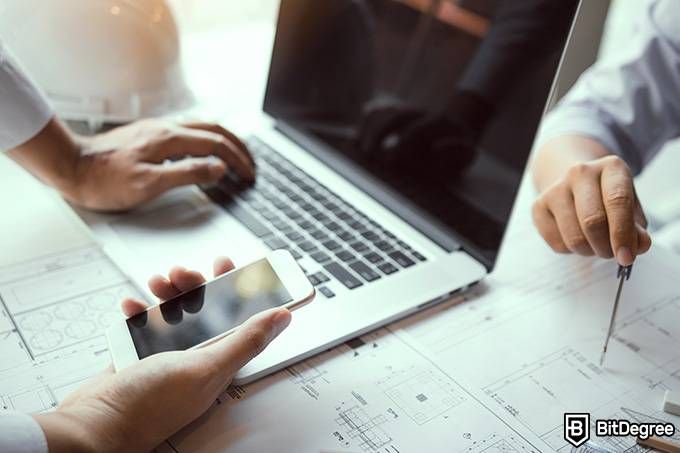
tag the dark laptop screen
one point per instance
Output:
(439, 100)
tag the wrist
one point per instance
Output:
(65, 433)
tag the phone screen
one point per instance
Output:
(207, 311)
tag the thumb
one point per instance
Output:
(235, 351)
(187, 172)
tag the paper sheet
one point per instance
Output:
(493, 374)
(54, 311)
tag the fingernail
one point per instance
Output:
(282, 320)
(624, 256)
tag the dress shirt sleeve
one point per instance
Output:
(630, 102)
(20, 433)
(24, 110)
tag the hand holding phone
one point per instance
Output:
(209, 312)
(91, 420)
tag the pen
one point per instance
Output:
(623, 274)
(659, 444)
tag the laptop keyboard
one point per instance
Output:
(288, 209)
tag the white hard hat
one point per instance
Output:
(99, 60)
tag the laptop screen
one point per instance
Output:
(437, 101)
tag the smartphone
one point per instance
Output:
(211, 311)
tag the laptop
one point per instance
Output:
(385, 224)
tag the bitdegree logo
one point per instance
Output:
(625, 428)
(577, 429)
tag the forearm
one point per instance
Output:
(559, 154)
(52, 156)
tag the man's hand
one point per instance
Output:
(593, 210)
(130, 165)
(133, 164)
(139, 407)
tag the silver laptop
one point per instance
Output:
(391, 148)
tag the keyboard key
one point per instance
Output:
(294, 236)
(357, 225)
(320, 257)
(342, 275)
(343, 215)
(248, 220)
(388, 268)
(304, 223)
(327, 292)
(297, 255)
(276, 243)
(359, 246)
(333, 226)
(313, 280)
(404, 245)
(364, 271)
(371, 236)
(418, 256)
(269, 215)
(323, 278)
(345, 235)
(291, 213)
(282, 226)
(307, 246)
(345, 256)
(320, 216)
(318, 235)
(384, 246)
(373, 257)
(331, 245)
(401, 259)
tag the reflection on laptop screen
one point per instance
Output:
(439, 100)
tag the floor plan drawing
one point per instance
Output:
(376, 394)
(54, 312)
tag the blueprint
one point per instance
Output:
(54, 311)
(492, 373)
(373, 394)
(544, 336)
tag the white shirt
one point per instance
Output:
(23, 113)
(631, 102)
(23, 108)
(20, 433)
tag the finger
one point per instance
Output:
(222, 265)
(217, 129)
(591, 214)
(199, 143)
(563, 209)
(618, 196)
(170, 175)
(162, 288)
(547, 227)
(644, 240)
(640, 217)
(133, 307)
(184, 279)
(235, 351)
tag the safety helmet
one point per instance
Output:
(99, 60)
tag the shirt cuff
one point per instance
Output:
(24, 110)
(20, 433)
(577, 121)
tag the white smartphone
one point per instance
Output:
(211, 311)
